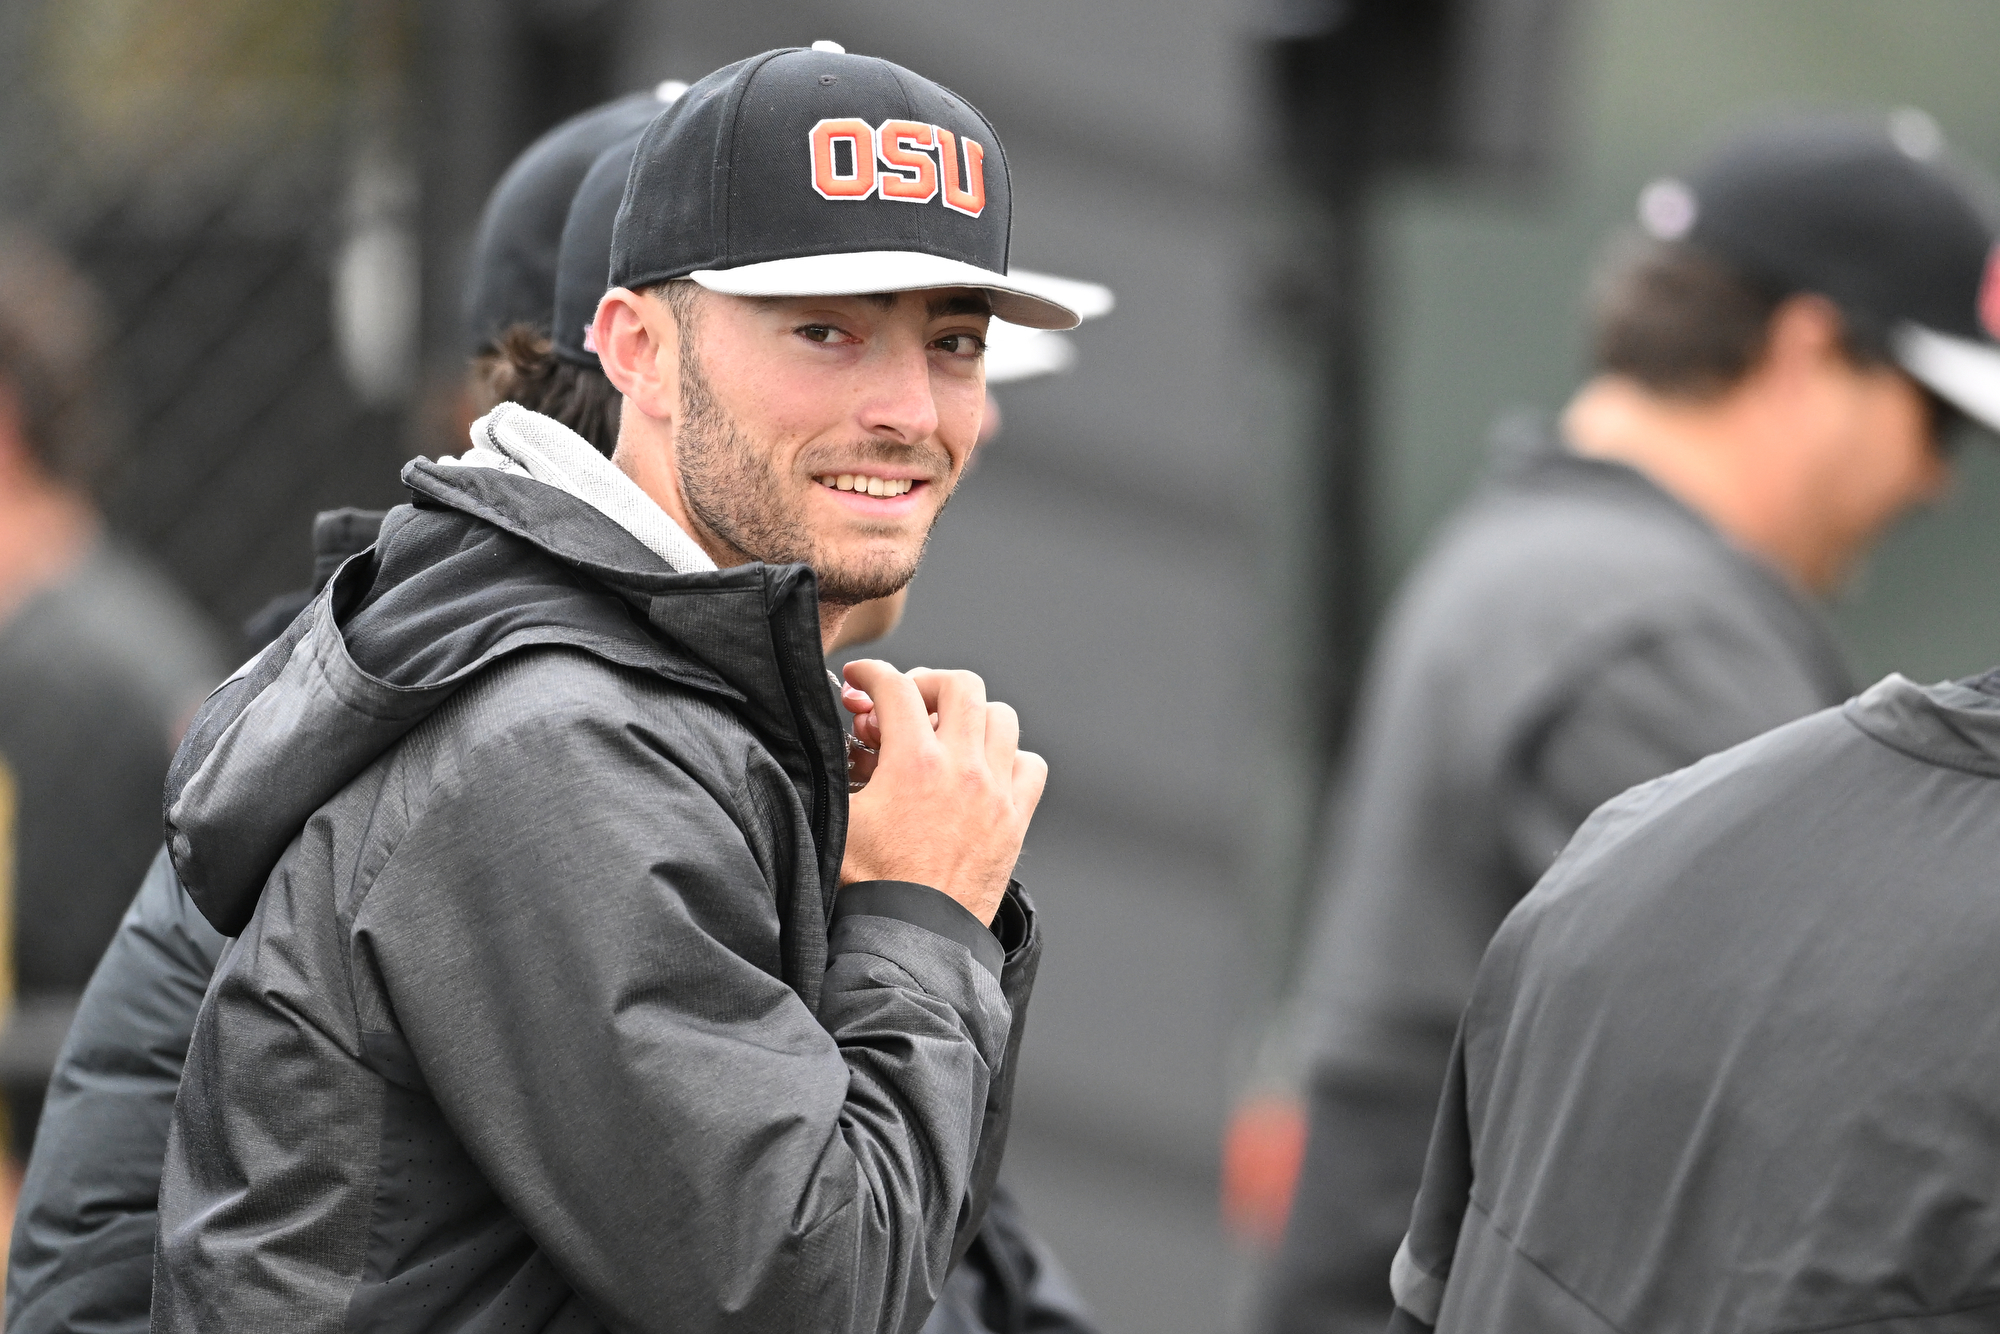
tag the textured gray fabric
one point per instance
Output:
(537, 1016)
(82, 1253)
(1572, 631)
(926, 908)
(87, 1214)
(1729, 1066)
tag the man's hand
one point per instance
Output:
(947, 805)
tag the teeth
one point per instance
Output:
(868, 486)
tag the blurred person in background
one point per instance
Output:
(89, 1215)
(1779, 373)
(1730, 1065)
(102, 661)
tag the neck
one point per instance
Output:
(831, 619)
(44, 531)
(1718, 458)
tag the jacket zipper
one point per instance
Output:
(819, 813)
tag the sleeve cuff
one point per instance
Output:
(931, 909)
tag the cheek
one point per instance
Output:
(1914, 468)
(774, 404)
(961, 408)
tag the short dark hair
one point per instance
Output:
(52, 335)
(524, 368)
(1685, 325)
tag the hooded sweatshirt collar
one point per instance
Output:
(491, 561)
(511, 439)
(1955, 724)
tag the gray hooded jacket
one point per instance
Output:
(1730, 1066)
(543, 1013)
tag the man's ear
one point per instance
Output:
(1806, 332)
(638, 344)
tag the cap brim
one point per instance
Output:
(1964, 373)
(860, 273)
(1014, 354)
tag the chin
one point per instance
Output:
(862, 576)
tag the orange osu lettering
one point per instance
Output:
(853, 160)
(897, 140)
(858, 182)
(972, 199)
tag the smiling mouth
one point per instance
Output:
(863, 484)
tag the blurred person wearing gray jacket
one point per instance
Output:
(1781, 357)
(102, 662)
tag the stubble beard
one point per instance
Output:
(734, 490)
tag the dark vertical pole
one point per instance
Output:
(1314, 321)
(464, 101)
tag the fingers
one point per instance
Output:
(855, 701)
(1003, 738)
(959, 700)
(900, 711)
(1031, 776)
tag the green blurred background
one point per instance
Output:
(1479, 288)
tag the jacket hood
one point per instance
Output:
(1953, 723)
(483, 564)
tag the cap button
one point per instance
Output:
(831, 48)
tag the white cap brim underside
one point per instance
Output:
(1030, 300)
(1963, 373)
(1014, 354)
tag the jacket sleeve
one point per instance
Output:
(82, 1253)
(1657, 702)
(1009, 1283)
(581, 950)
(1422, 1267)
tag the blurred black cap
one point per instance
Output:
(585, 259)
(817, 173)
(1868, 212)
(511, 276)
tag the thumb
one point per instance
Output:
(900, 711)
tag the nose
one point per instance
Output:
(901, 405)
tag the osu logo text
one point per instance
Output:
(852, 159)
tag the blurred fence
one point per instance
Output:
(197, 159)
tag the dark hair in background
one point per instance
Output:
(523, 368)
(1687, 326)
(52, 335)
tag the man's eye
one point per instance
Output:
(818, 333)
(961, 345)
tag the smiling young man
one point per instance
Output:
(571, 990)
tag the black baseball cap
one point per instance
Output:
(584, 260)
(1870, 213)
(511, 275)
(811, 172)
